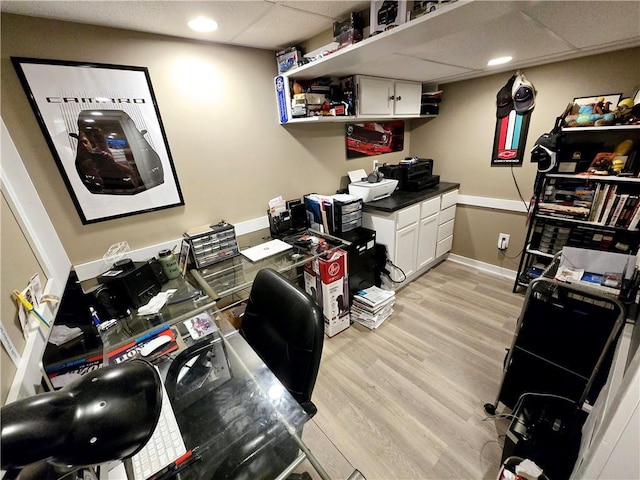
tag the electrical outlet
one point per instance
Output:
(503, 241)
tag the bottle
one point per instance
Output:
(169, 264)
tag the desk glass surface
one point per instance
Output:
(248, 410)
(235, 275)
(221, 284)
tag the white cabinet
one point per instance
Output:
(430, 210)
(417, 236)
(407, 239)
(380, 97)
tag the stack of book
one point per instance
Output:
(615, 208)
(372, 306)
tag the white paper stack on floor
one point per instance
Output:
(372, 306)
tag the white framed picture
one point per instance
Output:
(104, 130)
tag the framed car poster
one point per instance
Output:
(104, 130)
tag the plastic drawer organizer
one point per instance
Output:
(215, 245)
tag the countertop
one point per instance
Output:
(399, 199)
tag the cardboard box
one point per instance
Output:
(288, 59)
(327, 280)
(386, 14)
(349, 31)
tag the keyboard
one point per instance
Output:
(164, 447)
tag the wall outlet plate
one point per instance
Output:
(503, 241)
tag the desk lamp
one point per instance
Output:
(108, 414)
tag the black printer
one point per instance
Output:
(413, 174)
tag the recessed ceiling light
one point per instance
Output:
(203, 24)
(499, 61)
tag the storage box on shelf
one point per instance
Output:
(583, 210)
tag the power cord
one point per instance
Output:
(514, 257)
(388, 273)
(527, 206)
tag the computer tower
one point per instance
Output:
(360, 259)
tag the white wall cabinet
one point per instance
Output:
(376, 98)
(380, 97)
(417, 236)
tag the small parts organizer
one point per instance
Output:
(213, 245)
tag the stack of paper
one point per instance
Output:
(372, 306)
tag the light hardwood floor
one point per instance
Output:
(405, 401)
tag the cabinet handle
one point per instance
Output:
(391, 97)
(399, 98)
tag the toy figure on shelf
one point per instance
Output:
(592, 114)
(627, 113)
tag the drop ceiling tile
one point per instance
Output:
(278, 22)
(592, 23)
(512, 34)
(335, 9)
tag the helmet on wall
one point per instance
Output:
(545, 152)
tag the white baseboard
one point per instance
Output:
(485, 267)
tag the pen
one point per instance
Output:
(152, 333)
(179, 465)
(26, 304)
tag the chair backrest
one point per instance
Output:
(284, 325)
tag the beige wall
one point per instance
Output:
(17, 266)
(219, 113)
(461, 139)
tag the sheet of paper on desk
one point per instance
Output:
(265, 250)
(357, 175)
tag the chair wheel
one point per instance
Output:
(490, 408)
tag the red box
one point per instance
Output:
(327, 280)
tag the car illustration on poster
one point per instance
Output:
(371, 138)
(113, 157)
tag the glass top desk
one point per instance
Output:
(243, 423)
(215, 287)
(232, 278)
(228, 418)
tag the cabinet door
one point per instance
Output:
(406, 251)
(427, 240)
(374, 96)
(408, 96)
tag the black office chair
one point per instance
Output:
(284, 325)
(108, 414)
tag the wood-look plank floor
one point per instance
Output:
(405, 401)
